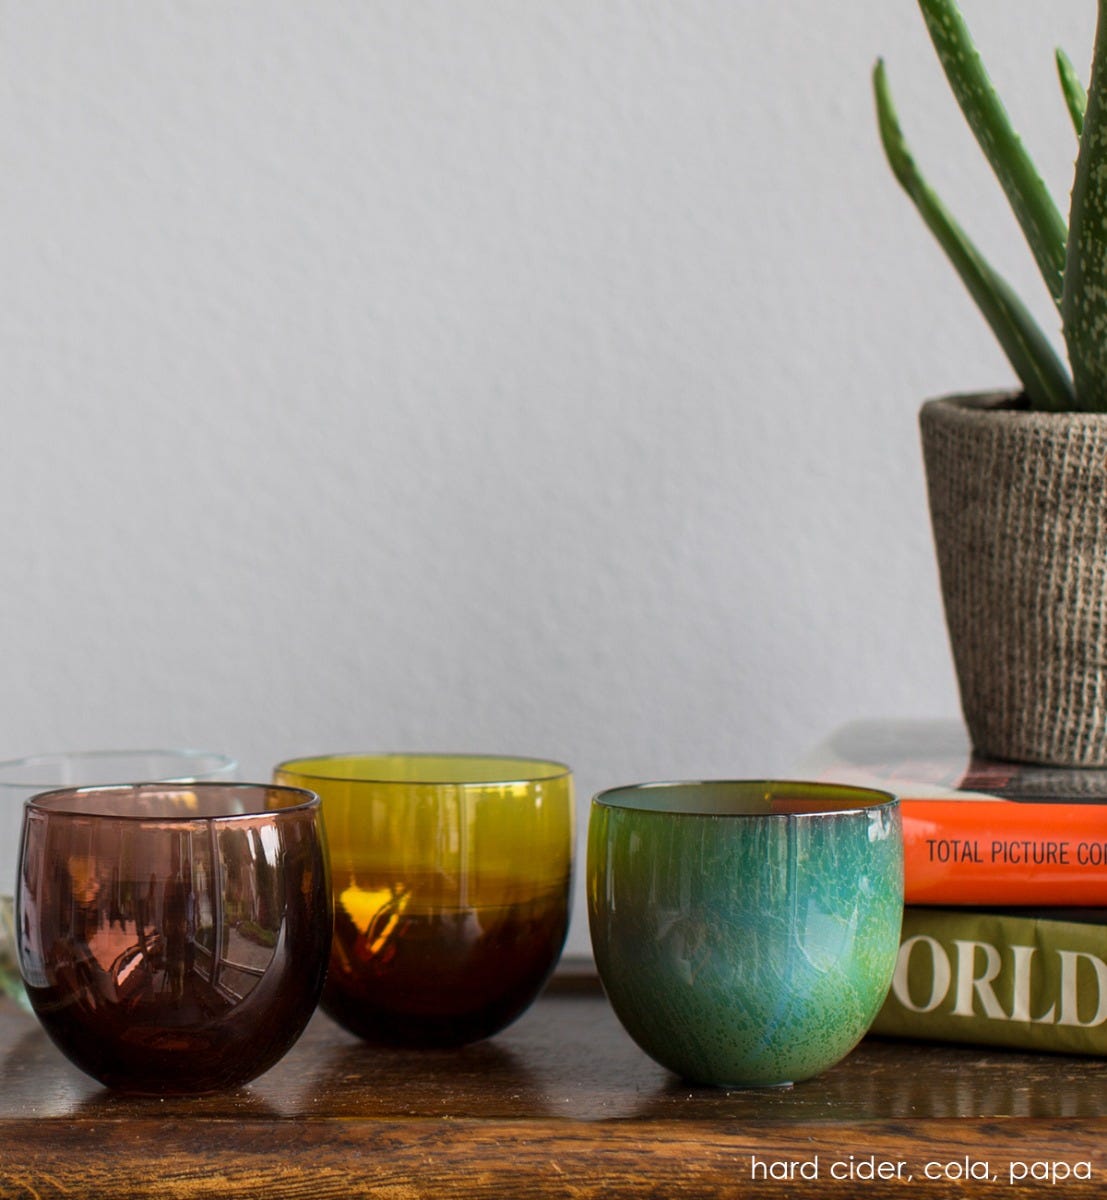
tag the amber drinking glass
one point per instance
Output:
(451, 889)
(173, 938)
(22, 778)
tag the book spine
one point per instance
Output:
(998, 979)
(1003, 853)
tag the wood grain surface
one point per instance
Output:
(561, 1104)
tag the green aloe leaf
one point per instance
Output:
(1084, 309)
(1036, 363)
(1042, 224)
(1075, 96)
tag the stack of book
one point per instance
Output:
(1005, 927)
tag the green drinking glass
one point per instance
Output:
(745, 932)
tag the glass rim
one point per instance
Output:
(542, 770)
(52, 802)
(855, 799)
(218, 760)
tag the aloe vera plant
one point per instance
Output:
(1072, 260)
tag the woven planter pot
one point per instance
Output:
(1018, 501)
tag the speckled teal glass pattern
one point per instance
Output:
(745, 932)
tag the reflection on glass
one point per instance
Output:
(412, 963)
(172, 933)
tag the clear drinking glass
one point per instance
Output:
(21, 778)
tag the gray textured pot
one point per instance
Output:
(1018, 501)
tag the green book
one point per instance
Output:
(1031, 979)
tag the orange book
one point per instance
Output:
(977, 831)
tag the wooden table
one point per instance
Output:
(561, 1104)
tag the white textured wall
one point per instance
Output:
(483, 374)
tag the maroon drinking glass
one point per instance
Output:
(173, 938)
